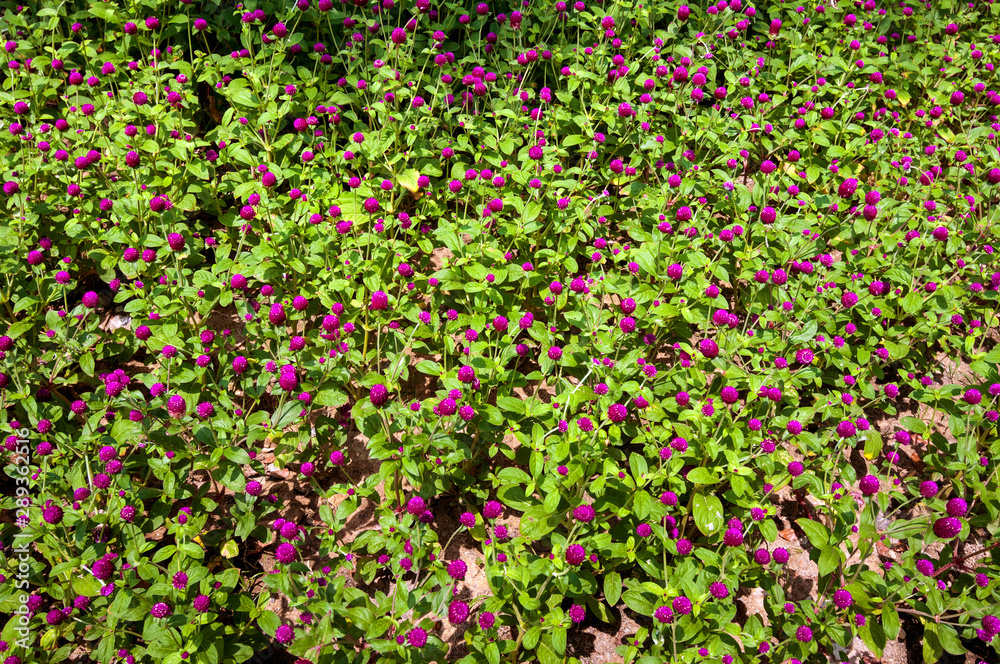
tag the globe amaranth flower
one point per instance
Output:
(681, 605)
(284, 634)
(577, 613)
(663, 614)
(160, 610)
(617, 413)
(52, 514)
(947, 527)
(957, 507)
(719, 590)
(869, 485)
(584, 513)
(803, 634)
(458, 612)
(575, 554)
(416, 505)
(379, 301)
(378, 394)
(457, 569)
(492, 509)
(842, 598)
(417, 637)
(285, 553)
(486, 620)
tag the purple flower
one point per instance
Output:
(417, 637)
(378, 395)
(160, 610)
(457, 569)
(719, 590)
(285, 553)
(492, 509)
(575, 554)
(617, 413)
(957, 507)
(458, 612)
(842, 598)
(947, 527)
(869, 485)
(284, 634)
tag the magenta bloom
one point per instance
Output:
(947, 527)
(617, 413)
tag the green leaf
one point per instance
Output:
(531, 638)
(87, 363)
(269, 622)
(236, 455)
(911, 303)
(546, 653)
(493, 653)
(702, 476)
(707, 514)
(408, 179)
(331, 397)
(536, 522)
(816, 532)
(806, 334)
(829, 559)
(890, 621)
(913, 425)
(932, 645)
(949, 639)
(511, 405)
(612, 587)
(430, 368)
(559, 640)
(638, 464)
(874, 637)
(643, 504)
(637, 601)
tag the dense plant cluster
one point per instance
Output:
(638, 301)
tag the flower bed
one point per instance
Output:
(356, 332)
